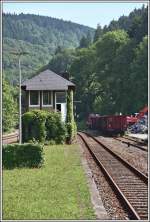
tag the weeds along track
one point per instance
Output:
(129, 184)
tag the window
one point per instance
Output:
(34, 98)
(60, 97)
(47, 100)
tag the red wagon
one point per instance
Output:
(112, 124)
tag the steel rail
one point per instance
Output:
(131, 144)
(142, 141)
(119, 193)
(125, 162)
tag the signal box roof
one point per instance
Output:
(47, 80)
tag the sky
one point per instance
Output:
(89, 14)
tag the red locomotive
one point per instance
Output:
(112, 124)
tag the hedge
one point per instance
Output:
(43, 126)
(33, 126)
(22, 155)
(55, 128)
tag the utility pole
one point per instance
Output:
(20, 108)
(19, 54)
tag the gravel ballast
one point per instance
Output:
(112, 205)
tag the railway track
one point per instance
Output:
(140, 141)
(129, 184)
(131, 142)
(12, 138)
(134, 139)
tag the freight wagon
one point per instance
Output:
(111, 124)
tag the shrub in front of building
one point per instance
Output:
(55, 128)
(22, 155)
(33, 126)
(43, 126)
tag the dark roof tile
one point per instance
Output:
(47, 80)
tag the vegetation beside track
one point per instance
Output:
(58, 190)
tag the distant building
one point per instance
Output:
(47, 90)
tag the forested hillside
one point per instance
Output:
(136, 24)
(108, 66)
(38, 35)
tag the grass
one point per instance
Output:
(58, 190)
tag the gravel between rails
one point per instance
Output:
(133, 155)
(109, 199)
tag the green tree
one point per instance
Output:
(41, 36)
(139, 75)
(98, 33)
(84, 76)
(61, 61)
(85, 41)
(107, 48)
(139, 26)
(122, 85)
(9, 119)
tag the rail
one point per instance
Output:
(130, 185)
(131, 142)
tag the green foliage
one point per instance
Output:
(40, 36)
(108, 45)
(98, 33)
(136, 24)
(111, 76)
(43, 29)
(108, 49)
(85, 41)
(9, 107)
(33, 125)
(121, 71)
(139, 25)
(24, 155)
(43, 125)
(62, 60)
(86, 80)
(55, 128)
(139, 71)
(70, 123)
(38, 56)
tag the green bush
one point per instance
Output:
(27, 123)
(39, 125)
(55, 128)
(33, 126)
(24, 155)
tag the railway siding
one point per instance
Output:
(131, 142)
